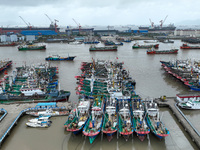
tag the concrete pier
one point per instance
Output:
(14, 112)
(171, 103)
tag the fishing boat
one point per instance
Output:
(48, 112)
(32, 84)
(183, 98)
(167, 41)
(91, 42)
(78, 117)
(59, 58)
(184, 70)
(43, 124)
(31, 47)
(139, 123)
(94, 124)
(186, 46)
(40, 119)
(171, 51)
(125, 122)
(4, 65)
(136, 45)
(150, 41)
(106, 48)
(154, 121)
(190, 104)
(110, 118)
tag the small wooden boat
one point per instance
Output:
(125, 123)
(59, 58)
(153, 120)
(110, 119)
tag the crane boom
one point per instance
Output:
(49, 18)
(78, 24)
(24, 21)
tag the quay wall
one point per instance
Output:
(182, 119)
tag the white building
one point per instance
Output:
(30, 37)
(187, 32)
(13, 38)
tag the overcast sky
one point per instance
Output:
(99, 12)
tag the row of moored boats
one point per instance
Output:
(109, 105)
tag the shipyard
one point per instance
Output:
(75, 77)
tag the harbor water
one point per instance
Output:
(151, 81)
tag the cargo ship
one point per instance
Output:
(171, 51)
(135, 46)
(106, 48)
(186, 46)
(4, 30)
(31, 47)
(8, 44)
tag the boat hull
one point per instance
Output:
(163, 52)
(32, 48)
(60, 59)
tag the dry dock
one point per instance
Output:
(14, 112)
(171, 103)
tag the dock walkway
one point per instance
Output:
(171, 103)
(14, 112)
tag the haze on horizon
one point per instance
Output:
(104, 12)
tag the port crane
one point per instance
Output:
(28, 24)
(152, 23)
(162, 22)
(52, 25)
(78, 24)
